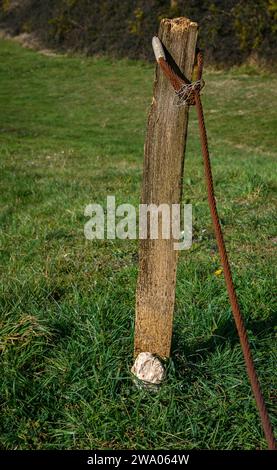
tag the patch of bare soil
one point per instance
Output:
(28, 40)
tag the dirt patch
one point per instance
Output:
(28, 40)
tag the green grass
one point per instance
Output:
(71, 132)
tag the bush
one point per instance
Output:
(230, 30)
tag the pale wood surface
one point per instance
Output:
(162, 183)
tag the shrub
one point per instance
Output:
(230, 30)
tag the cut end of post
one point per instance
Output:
(149, 371)
(180, 23)
(158, 49)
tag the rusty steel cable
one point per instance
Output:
(193, 97)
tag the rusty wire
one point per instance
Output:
(194, 98)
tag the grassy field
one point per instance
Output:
(71, 133)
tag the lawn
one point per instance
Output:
(72, 132)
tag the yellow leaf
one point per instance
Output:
(218, 272)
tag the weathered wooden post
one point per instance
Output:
(162, 183)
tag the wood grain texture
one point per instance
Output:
(162, 183)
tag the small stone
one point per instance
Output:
(149, 370)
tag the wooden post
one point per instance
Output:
(162, 183)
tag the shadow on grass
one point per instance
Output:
(257, 330)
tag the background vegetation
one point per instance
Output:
(232, 31)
